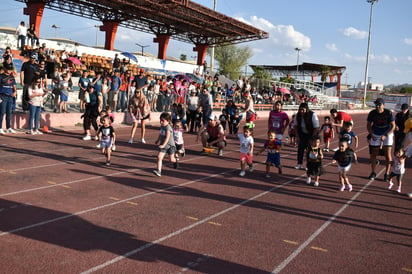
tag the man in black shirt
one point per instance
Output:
(27, 73)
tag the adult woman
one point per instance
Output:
(192, 102)
(139, 109)
(249, 108)
(36, 94)
(400, 119)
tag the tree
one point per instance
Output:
(325, 71)
(406, 89)
(232, 59)
(260, 77)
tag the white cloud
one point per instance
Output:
(384, 59)
(408, 41)
(353, 33)
(280, 36)
(331, 47)
(355, 58)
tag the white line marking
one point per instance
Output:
(320, 229)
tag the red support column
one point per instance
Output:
(339, 76)
(110, 27)
(35, 11)
(163, 40)
(201, 53)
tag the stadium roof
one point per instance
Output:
(304, 69)
(183, 20)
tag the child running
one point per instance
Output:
(398, 169)
(314, 158)
(166, 143)
(178, 130)
(107, 137)
(344, 156)
(328, 133)
(348, 134)
(246, 149)
(273, 147)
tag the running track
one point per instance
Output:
(63, 211)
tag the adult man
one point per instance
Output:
(27, 73)
(339, 118)
(307, 125)
(278, 120)
(115, 83)
(400, 120)
(380, 125)
(213, 135)
(8, 92)
(84, 82)
(21, 33)
(206, 102)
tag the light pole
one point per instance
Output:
(212, 49)
(297, 64)
(367, 53)
(97, 31)
(55, 27)
(142, 47)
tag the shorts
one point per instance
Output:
(113, 96)
(314, 169)
(250, 116)
(344, 168)
(81, 95)
(273, 159)
(168, 149)
(247, 157)
(179, 147)
(64, 98)
(399, 177)
(376, 140)
(106, 143)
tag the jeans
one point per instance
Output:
(22, 40)
(34, 117)
(5, 108)
(302, 146)
(122, 100)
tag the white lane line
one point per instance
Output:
(292, 256)
(184, 229)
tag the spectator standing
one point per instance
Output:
(21, 33)
(32, 35)
(84, 82)
(278, 120)
(192, 102)
(400, 119)
(206, 102)
(381, 125)
(8, 92)
(115, 83)
(36, 94)
(116, 62)
(307, 125)
(27, 74)
(124, 90)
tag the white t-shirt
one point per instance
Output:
(245, 143)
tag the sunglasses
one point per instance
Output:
(378, 105)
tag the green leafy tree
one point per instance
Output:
(183, 57)
(232, 59)
(406, 89)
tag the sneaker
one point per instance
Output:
(143, 141)
(1, 131)
(342, 188)
(220, 152)
(130, 141)
(87, 138)
(113, 147)
(98, 146)
(157, 173)
(10, 130)
(32, 132)
(316, 184)
(242, 173)
(390, 185)
(183, 153)
(386, 177)
(350, 187)
(298, 166)
(96, 138)
(251, 168)
(372, 176)
(335, 149)
(267, 175)
(176, 164)
(308, 180)
(107, 163)
(398, 189)
(38, 132)
(326, 149)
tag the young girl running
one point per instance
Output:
(166, 143)
(246, 149)
(398, 169)
(314, 158)
(273, 147)
(344, 157)
(107, 137)
(178, 130)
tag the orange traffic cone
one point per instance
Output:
(45, 129)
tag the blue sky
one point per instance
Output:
(328, 32)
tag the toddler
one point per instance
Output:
(344, 156)
(107, 137)
(178, 130)
(314, 158)
(398, 169)
(273, 146)
(246, 149)
(328, 133)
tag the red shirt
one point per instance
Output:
(343, 116)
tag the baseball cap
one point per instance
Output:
(379, 101)
(212, 117)
(404, 106)
(33, 55)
